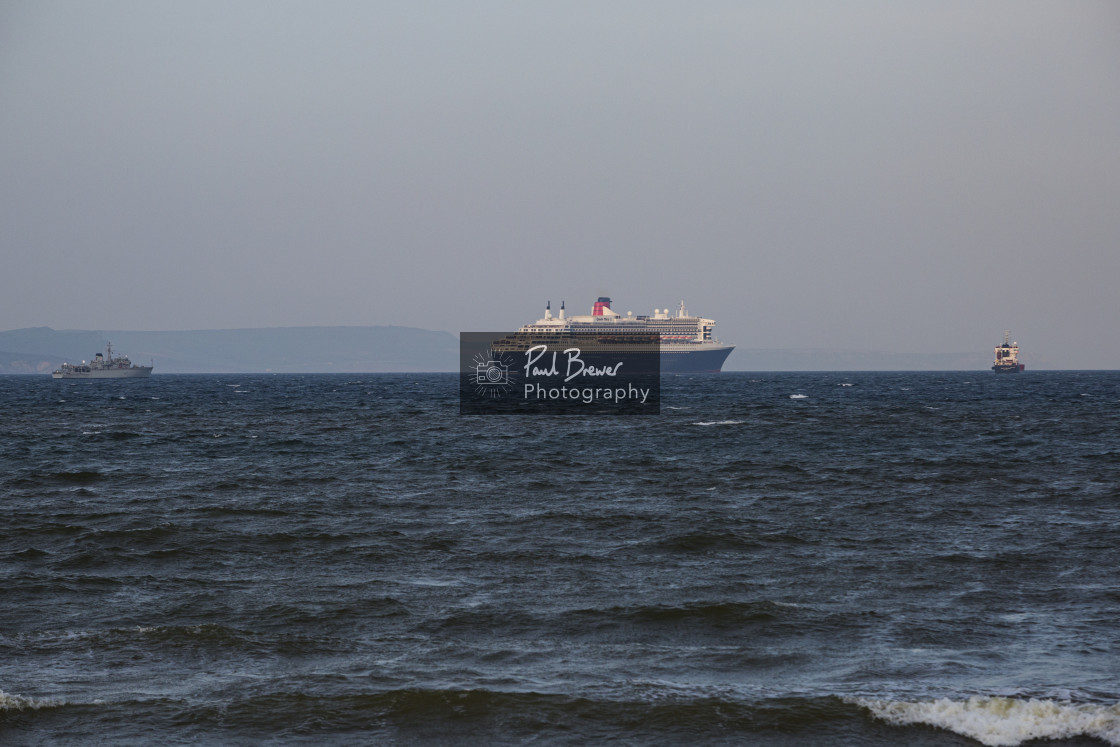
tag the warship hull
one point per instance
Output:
(136, 372)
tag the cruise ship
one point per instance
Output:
(103, 368)
(687, 343)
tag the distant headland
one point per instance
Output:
(39, 350)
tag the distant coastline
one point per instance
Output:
(39, 350)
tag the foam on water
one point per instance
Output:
(1004, 722)
(719, 422)
(799, 396)
(21, 703)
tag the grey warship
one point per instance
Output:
(103, 367)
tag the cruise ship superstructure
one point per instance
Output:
(687, 343)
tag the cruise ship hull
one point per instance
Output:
(693, 361)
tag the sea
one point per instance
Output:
(878, 558)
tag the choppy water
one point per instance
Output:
(887, 559)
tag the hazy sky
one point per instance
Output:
(864, 175)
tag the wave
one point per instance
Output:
(643, 712)
(709, 541)
(66, 477)
(488, 716)
(10, 702)
(1001, 721)
(209, 639)
(650, 713)
(712, 619)
(714, 614)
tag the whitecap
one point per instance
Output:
(719, 422)
(1004, 722)
(799, 396)
(436, 582)
(21, 703)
